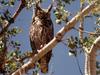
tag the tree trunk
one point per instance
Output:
(3, 55)
(90, 63)
(90, 58)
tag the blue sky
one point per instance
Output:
(61, 63)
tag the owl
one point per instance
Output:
(41, 32)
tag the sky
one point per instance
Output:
(61, 63)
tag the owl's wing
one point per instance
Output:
(34, 50)
(44, 61)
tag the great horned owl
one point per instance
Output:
(41, 32)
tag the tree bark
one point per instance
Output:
(90, 58)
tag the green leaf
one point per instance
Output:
(10, 54)
(72, 52)
(68, 1)
(17, 43)
(98, 21)
(2, 1)
(82, 2)
(58, 21)
(97, 64)
(11, 2)
(76, 39)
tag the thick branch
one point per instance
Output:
(96, 45)
(54, 41)
(7, 23)
(90, 64)
(93, 50)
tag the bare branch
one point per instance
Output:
(54, 41)
(90, 33)
(7, 23)
(96, 45)
(90, 55)
(21, 6)
(81, 27)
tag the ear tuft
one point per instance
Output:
(38, 5)
(50, 6)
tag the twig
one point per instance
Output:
(91, 33)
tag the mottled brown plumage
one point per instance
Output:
(41, 32)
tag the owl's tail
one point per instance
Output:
(43, 66)
(44, 62)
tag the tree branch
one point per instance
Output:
(93, 50)
(81, 27)
(7, 23)
(83, 31)
(95, 46)
(54, 41)
(90, 62)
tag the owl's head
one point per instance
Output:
(42, 13)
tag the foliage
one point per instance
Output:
(60, 12)
(1, 46)
(68, 1)
(13, 46)
(7, 2)
(59, 9)
(75, 44)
